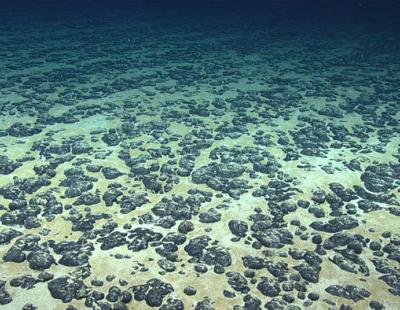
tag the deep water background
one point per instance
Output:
(324, 13)
(279, 20)
(378, 21)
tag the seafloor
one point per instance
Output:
(199, 162)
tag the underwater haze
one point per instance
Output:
(200, 155)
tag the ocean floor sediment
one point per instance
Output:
(185, 166)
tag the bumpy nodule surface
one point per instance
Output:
(158, 158)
